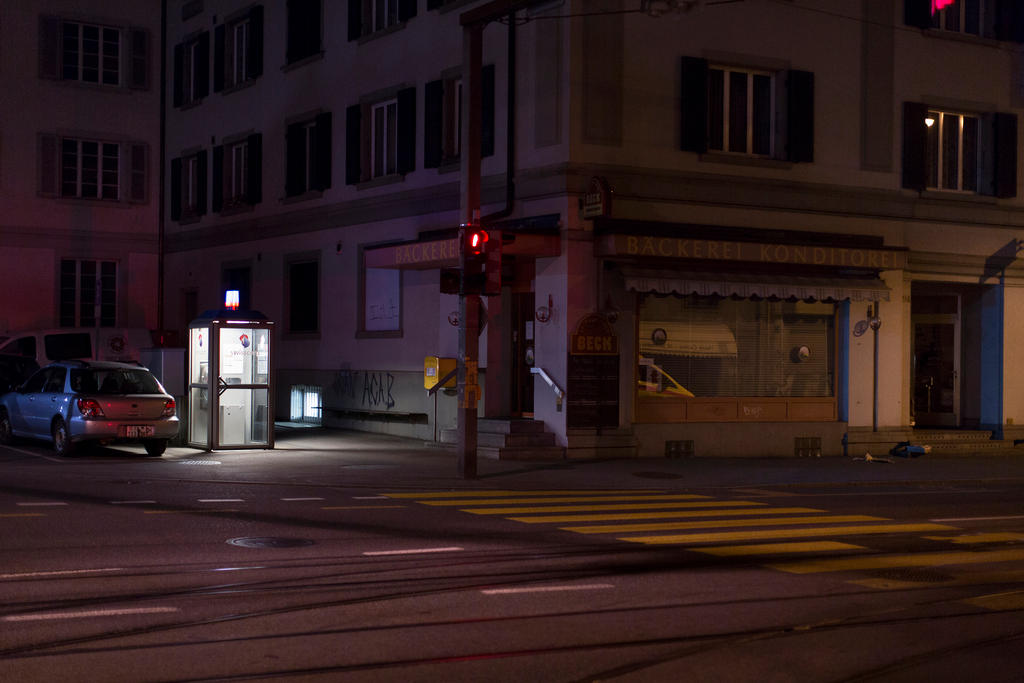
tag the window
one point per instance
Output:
(237, 173)
(735, 110)
(303, 296)
(308, 155)
(958, 151)
(382, 308)
(370, 16)
(80, 168)
(191, 70)
(998, 19)
(93, 53)
(722, 347)
(188, 186)
(88, 293)
(238, 50)
(306, 403)
(380, 137)
(304, 39)
(962, 16)
(442, 119)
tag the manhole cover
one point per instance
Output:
(912, 574)
(657, 475)
(269, 542)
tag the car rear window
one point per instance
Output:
(68, 345)
(115, 381)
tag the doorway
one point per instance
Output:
(523, 342)
(935, 369)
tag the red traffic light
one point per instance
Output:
(475, 241)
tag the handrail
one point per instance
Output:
(559, 394)
(441, 382)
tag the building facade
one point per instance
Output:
(755, 227)
(79, 164)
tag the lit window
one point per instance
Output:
(740, 106)
(952, 151)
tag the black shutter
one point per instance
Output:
(917, 13)
(353, 145)
(295, 160)
(433, 123)
(138, 165)
(694, 105)
(322, 152)
(202, 66)
(434, 4)
(179, 61)
(915, 145)
(201, 166)
(49, 47)
(138, 59)
(175, 189)
(406, 9)
(254, 59)
(486, 111)
(254, 191)
(217, 202)
(218, 59)
(1005, 155)
(49, 165)
(800, 120)
(406, 130)
(355, 19)
(1010, 20)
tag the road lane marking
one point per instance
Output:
(546, 589)
(411, 551)
(668, 514)
(716, 523)
(369, 497)
(581, 499)
(133, 502)
(777, 548)
(362, 507)
(1012, 600)
(41, 505)
(491, 494)
(966, 539)
(933, 559)
(65, 572)
(189, 511)
(220, 500)
(22, 514)
(615, 506)
(976, 519)
(752, 535)
(91, 613)
(295, 500)
(36, 455)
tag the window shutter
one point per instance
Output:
(434, 4)
(486, 111)
(295, 160)
(433, 122)
(217, 202)
(406, 9)
(800, 119)
(219, 59)
(49, 166)
(353, 145)
(915, 145)
(138, 59)
(49, 47)
(179, 62)
(138, 153)
(201, 165)
(917, 13)
(355, 19)
(175, 189)
(1005, 155)
(694, 105)
(406, 130)
(323, 152)
(254, 192)
(254, 65)
(202, 66)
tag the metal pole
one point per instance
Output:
(875, 324)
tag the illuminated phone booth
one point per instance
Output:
(230, 397)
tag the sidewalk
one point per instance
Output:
(376, 459)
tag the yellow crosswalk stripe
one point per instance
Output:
(929, 559)
(663, 514)
(581, 499)
(762, 534)
(717, 523)
(491, 494)
(777, 548)
(616, 506)
(1011, 600)
(967, 539)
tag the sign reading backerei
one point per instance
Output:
(717, 250)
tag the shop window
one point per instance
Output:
(188, 187)
(713, 347)
(238, 173)
(380, 137)
(735, 110)
(371, 16)
(88, 293)
(442, 119)
(192, 70)
(238, 50)
(305, 18)
(306, 404)
(303, 296)
(308, 155)
(381, 310)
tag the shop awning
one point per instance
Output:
(704, 339)
(761, 286)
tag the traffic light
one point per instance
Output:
(481, 261)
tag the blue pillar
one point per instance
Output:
(992, 360)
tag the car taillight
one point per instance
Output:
(168, 408)
(89, 408)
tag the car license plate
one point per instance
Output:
(137, 431)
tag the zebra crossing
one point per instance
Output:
(797, 540)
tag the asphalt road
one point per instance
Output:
(352, 558)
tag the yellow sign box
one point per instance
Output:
(435, 369)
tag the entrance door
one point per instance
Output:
(522, 354)
(936, 360)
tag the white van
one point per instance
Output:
(71, 343)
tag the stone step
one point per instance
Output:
(493, 425)
(501, 440)
(522, 453)
(931, 436)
